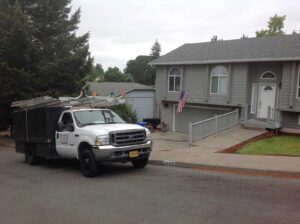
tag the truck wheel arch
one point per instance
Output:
(82, 146)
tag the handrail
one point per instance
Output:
(218, 116)
(213, 125)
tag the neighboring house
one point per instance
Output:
(140, 97)
(250, 74)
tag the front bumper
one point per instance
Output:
(112, 153)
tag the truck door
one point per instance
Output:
(65, 138)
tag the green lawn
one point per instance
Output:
(280, 145)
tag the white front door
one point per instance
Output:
(266, 98)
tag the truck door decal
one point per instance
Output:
(64, 138)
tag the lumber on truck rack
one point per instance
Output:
(81, 101)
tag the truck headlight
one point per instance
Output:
(102, 140)
(148, 134)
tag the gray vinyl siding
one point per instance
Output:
(167, 114)
(239, 83)
(290, 119)
(196, 82)
(289, 85)
(160, 83)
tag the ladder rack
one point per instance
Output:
(87, 102)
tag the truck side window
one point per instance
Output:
(67, 120)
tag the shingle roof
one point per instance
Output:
(276, 48)
(106, 88)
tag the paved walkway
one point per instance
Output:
(206, 152)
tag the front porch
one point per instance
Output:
(273, 120)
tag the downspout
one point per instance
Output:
(292, 85)
(229, 83)
(208, 83)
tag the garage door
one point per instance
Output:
(193, 114)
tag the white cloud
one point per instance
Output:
(123, 29)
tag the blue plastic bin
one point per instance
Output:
(141, 123)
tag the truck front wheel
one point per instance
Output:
(88, 163)
(30, 155)
(139, 163)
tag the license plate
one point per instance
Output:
(133, 154)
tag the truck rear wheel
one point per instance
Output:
(30, 155)
(139, 163)
(88, 163)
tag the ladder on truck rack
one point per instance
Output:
(86, 101)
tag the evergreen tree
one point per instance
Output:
(57, 59)
(155, 50)
(16, 51)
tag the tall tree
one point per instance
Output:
(59, 60)
(275, 26)
(96, 73)
(16, 54)
(155, 50)
(140, 70)
(113, 74)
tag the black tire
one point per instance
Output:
(140, 163)
(88, 163)
(30, 155)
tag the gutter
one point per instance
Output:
(224, 61)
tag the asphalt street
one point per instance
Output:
(56, 192)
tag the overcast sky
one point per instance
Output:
(120, 30)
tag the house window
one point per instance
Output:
(174, 80)
(268, 75)
(219, 77)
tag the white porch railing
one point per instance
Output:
(202, 129)
(274, 118)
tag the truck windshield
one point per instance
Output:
(93, 117)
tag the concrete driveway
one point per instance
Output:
(173, 148)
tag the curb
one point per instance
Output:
(230, 170)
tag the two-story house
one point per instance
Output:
(258, 76)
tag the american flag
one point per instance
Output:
(182, 101)
(122, 93)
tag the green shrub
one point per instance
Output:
(125, 111)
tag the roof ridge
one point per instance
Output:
(245, 39)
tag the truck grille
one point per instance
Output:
(128, 137)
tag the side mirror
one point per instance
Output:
(59, 126)
(70, 128)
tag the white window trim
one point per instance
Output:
(297, 84)
(254, 97)
(211, 76)
(174, 91)
(298, 119)
(261, 77)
